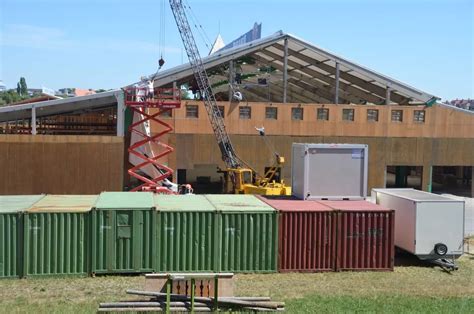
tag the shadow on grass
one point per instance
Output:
(407, 259)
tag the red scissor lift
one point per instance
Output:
(139, 100)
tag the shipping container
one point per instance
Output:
(123, 233)
(364, 235)
(248, 234)
(306, 235)
(187, 234)
(11, 236)
(56, 235)
(429, 226)
(329, 171)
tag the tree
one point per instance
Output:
(9, 97)
(23, 87)
(18, 88)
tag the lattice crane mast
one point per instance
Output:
(239, 178)
(217, 122)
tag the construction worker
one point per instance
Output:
(150, 89)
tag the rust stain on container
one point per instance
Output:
(306, 236)
(364, 235)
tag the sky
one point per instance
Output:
(428, 44)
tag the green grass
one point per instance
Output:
(412, 288)
(379, 304)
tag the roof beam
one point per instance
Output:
(258, 96)
(327, 98)
(351, 89)
(274, 97)
(276, 92)
(377, 90)
(302, 95)
(324, 91)
(412, 92)
(244, 91)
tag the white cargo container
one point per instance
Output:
(427, 225)
(329, 171)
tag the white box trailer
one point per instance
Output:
(329, 171)
(427, 225)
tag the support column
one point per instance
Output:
(472, 181)
(33, 120)
(336, 92)
(387, 95)
(401, 177)
(231, 78)
(175, 87)
(120, 113)
(427, 177)
(285, 71)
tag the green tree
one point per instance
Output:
(18, 88)
(23, 87)
(9, 97)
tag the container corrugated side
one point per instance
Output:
(55, 244)
(365, 236)
(248, 242)
(11, 236)
(187, 230)
(11, 257)
(123, 241)
(306, 236)
(248, 233)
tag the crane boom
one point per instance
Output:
(217, 122)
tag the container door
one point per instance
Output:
(10, 254)
(125, 258)
(346, 180)
(248, 243)
(103, 241)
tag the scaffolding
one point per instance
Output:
(140, 100)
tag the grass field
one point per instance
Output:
(412, 288)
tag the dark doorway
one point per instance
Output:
(182, 176)
(404, 177)
(453, 180)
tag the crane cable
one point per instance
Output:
(202, 33)
(162, 34)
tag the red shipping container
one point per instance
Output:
(306, 235)
(364, 235)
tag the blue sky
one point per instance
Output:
(111, 43)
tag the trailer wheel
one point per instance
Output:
(440, 249)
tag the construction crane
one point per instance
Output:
(239, 177)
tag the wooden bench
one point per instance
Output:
(213, 285)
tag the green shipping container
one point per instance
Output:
(123, 233)
(187, 232)
(11, 226)
(248, 234)
(56, 235)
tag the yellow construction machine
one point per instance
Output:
(239, 178)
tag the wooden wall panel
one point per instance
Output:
(33, 164)
(440, 122)
(194, 149)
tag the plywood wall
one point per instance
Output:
(33, 164)
(440, 121)
(201, 149)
